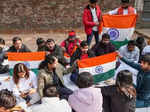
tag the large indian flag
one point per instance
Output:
(101, 67)
(31, 60)
(119, 27)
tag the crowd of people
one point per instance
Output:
(46, 91)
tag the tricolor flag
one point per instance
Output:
(101, 67)
(30, 59)
(119, 27)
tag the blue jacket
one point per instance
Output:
(143, 81)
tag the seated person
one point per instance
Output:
(24, 84)
(120, 97)
(82, 53)
(51, 102)
(3, 49)
(130, 51)
(55, 50)
(8, 102)
(104, 46)
(40, 42)
(143, 80)
(124, 9)
(18, 46)
(71, 43)
(51, 72)
(87, 98)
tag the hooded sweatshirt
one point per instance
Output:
(86, 100)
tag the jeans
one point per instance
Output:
(142, 103)
(89, 37)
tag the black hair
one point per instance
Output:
(7, 99)
(84, 80)
(48, 59)
(50, 40)
(140, 40)
(124, 78)
(50, 91)
(131, 43)
(125, 1)
(2, 41)
(40, 41)
(106, 35)
(83, 43)
(93, 1)
(16, 39)
(146, 58)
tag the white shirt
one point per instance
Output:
(24, 84)
(52, 104)
(146, 50)
(115, 11)
(95, 19)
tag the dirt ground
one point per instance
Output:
(29, 38)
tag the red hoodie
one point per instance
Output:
(88, 19)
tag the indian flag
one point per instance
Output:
(101, 67)
(30, 59)
(119, 27)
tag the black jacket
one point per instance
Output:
(114, 101)
(24, 48)
(77, 55)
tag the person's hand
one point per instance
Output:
(23, 95)
(96, 23)
(32, 91)
(64, 49)
(118, 54)
(47, 52)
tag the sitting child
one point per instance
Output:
(121, 96)
(87, 98)
(51, 102)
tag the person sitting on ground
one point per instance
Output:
(124, 9)
(120, 97)
(143, 80)
(18, 46)
(104, 46)
(40, 42)
(130, 51)
(8, 102)
(24, 84)
(51, 72)
(141, 44)
(87, 98)
(55, 50)
(51, 102)
(3, 49)
(71, 43)
(82, 52)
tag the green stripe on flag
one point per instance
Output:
(118, 44)
(104, 76)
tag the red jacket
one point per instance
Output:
(88, 19)
(130, 10)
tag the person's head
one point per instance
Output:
(50, 62)
(2, 44)
(124, 78)
(17, 42)
(131, 45)
(72, 36)
(140, 40)
(93, 3)
(50, 43)
(50, 91)
(84, 80)
(20, 71)
(40, 42)
(105, 38)
(84, 46)
(125, 3)
(7, 99)
(145, 62)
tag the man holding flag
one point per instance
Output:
(124, 9)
